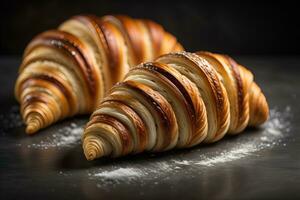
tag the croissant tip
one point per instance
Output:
(91, 151)
(90, 154)
(31, 128)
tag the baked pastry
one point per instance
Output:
(178, 101)
(65, 72)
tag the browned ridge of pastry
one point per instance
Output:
(65, 72)
(178, 101)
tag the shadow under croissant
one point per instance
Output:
(74, 158)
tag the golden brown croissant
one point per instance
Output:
(66, 71)
(180, 100)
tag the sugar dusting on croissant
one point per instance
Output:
(65, 72)
(178, 101)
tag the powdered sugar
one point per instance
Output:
(227, 156)
(271, 134)
(67, 136)
(278, 122)
(157, 167)
(64, 137)
(119, 173)
(182, 162)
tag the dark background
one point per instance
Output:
(228, 27)
(268, 31)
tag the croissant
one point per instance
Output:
(178, 101)
(65, 72)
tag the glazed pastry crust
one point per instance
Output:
(67, 71)
(178, 101)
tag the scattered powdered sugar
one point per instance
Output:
(64, 137)
(278, 122)
(119, 173)
(67, 136)
(182, 162)
(228, 156)
(272, 133)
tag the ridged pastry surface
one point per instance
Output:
(67, 71)
(180, 100)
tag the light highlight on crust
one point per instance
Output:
(66, 71)
(180, 100)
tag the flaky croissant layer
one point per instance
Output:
(178, 101)
(65, 72)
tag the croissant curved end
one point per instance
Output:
(32, 126)
(66, 71)
(33, 122)
(90, 152)
(203, 82)
(259, 109)
(93, 147)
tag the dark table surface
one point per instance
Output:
(261, 163)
